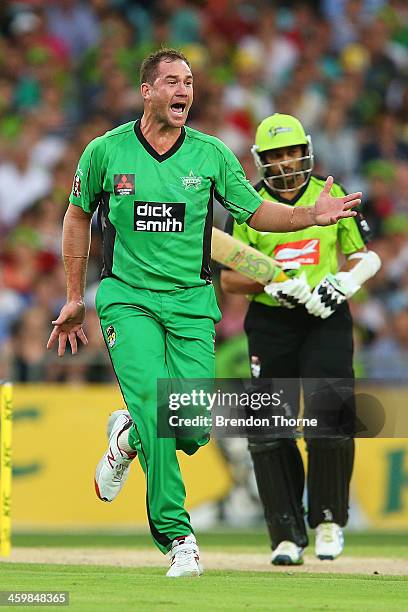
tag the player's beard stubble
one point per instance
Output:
(285, 181)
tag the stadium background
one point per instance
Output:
(69, 72)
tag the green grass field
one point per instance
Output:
(99, 588)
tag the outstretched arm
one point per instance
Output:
(276, 217)
(76, 238)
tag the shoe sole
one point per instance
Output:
(96, 478)
(115, 414)
(286, 560)
(196, 573)
(98, 493)
(97, 474)
(329, 557)
(190, 574)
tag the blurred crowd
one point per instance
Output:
(69, 71)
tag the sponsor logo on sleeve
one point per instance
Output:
(159, 216)
(76, 187)
(124, 184)
(111, 336)
(306, 252)
(255, 366)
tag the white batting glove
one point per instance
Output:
(290, 293)
(330, 293)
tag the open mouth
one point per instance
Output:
(178, 108)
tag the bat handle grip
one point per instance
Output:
(280, 276)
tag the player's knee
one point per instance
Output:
(192, 445)
(333, 408)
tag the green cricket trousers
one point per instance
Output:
(151, 335)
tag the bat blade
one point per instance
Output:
(245, 259)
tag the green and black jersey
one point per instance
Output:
(155, 211)
(315, 248)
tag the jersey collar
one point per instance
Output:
(153, 151)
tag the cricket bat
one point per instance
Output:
(245, 259)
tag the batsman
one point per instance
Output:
(301, 329)
(152, 182)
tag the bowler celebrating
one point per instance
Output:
(153, 183)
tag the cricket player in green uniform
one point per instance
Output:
(153, 182)
(302, 329)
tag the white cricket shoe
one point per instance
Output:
(113, 469)
(185, 558)
(287, 553)
(329, 541)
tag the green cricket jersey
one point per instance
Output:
(155, 211)
(315, 248)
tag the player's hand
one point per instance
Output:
(328, 295)
(328, 209)
(68, 327)
(290, 293)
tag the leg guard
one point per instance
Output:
(328, 479)
(280, 477)
(332, 404)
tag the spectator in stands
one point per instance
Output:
(58, 90)
(335, 145)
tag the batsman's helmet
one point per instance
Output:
(279, 131)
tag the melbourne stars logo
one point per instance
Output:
(191, 180)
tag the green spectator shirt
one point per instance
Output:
(315, 248)
(155, 211)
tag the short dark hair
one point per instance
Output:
(149, 67)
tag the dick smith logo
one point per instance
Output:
(159, 216)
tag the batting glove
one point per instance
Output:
(330, 293)
(290, 293)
